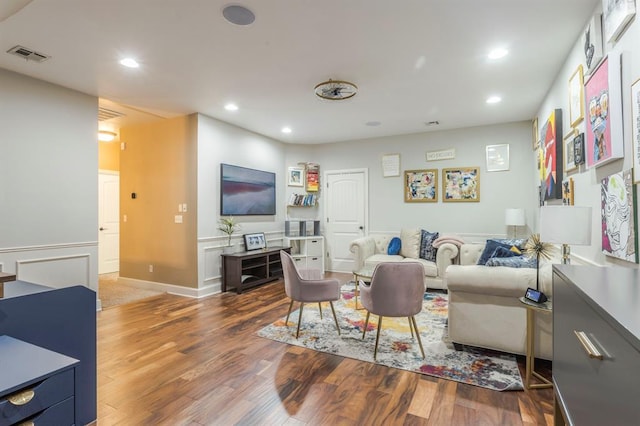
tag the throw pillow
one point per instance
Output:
(503, 252)
(518, 242)
(513, 262)
(410, 243)
(427, 250)
(489, 248)
(394, 246)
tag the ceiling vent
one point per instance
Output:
(107, 114)
(28, 54)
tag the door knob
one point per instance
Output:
(102, 229)
(361, 228)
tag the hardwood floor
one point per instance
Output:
(170, 360)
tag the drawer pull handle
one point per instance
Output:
(22, 398)
(588, 346)
(28, 423)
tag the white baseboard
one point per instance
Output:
(178, 290)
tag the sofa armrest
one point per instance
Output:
(362, 248)
(445, 256)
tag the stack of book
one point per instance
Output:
(303, 200)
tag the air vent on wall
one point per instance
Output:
(107, 114)
(28, 54)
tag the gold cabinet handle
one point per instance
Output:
(22, 398)
(588, 346)
(27, 423)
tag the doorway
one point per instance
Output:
(108, 222)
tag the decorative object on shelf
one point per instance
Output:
(567, 192)
(618, 198)
(568, 151)
(420, 186)
(255, 241)
(535, 136)
(616, 14)
(576, 97)
(635, 129)
(592, 42)
(566, 225)
(313, 177)
(461, 184)
(302, 200)
(578, 149)
(390, 165)
(335, 90)
(534, 247)
(497, 157)
(295, 176)
(604, 140)
(551, 164)
(229, 226)
(515, 218)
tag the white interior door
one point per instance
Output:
(345, 214)
(109, 223)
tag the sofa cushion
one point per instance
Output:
(430, 268)
(489, 248)
(410, 242)
(394, 246)
(503, 252)
(427, 250)
(513, 262)
(372, 261)
(518, 242)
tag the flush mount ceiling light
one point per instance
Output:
(231, 107)
(129, 63)
(286, 130)
(494, 99)
(106, 136)
(498, 53)
(336, 90)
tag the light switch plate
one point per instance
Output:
(178, 218)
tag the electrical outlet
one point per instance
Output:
(150, 268)
(124, 218)
(184, 207)
(178, 218)
(180, 208)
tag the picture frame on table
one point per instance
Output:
(461, 184)
(255, 241)
(497, 157)
(421, 186)
(568, 151)
(576, 97)
(635, 129)
(295, 176)
(616, 14)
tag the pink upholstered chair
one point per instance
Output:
(396, 290)
(308, 286)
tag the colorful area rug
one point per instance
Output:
(397, 349)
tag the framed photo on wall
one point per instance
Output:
(618, 195)
(534, 133)
(576, 97)
(568, 151)
(616, 14)
(567, 192)
(578, 149)
(635, 129)
(497, 157)
(592, 42)
(295, 176)
(461, 184)
(420, 186)
(552, 160)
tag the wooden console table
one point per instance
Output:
(251, 268)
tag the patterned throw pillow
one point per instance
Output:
(513, 262)
(503, 252)
(427, 250)
(489, 247)
(518, 242)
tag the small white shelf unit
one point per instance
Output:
(307, 251)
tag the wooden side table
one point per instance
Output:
(530, 372)
(5, 277)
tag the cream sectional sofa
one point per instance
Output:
(484, 305)
(371, 250)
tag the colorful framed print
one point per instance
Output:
(576, 97)
(592, 42)
(534, 133)
(635, 129)
(421, 186)
(616, 14)
(567, 192)
(296, 176)
(461, 184)
(551, 171)
(618, 201)
(604, 142)
(568, 151)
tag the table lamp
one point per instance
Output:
(515, 218)
(565, 225)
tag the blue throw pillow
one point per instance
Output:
(427, 250)
(518, 242)
(503, 252)
(394, 246)
(513, 262)
(489, 248)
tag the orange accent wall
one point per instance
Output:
(109, 156)
(159, 165)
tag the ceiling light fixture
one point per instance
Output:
(231, 107)
(494, 99)
(286, 130)
(335, 90)
(129, 63)
(498, 53)
(106, 136)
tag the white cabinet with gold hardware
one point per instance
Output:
(596, 345)
(307, 252)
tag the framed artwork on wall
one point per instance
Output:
(390, 165)
(552, 160)
(568, 151)
(592, 42)
(618, 204)
(616, 14)
(461, 184)
(313, 177)
(576, 97)
(578, 149)
(295, 177)
(567, 192)
(534, 133)
(497, 157)
(421, 186)
(604, 142)
(635, 129)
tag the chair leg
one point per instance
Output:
(415, 325)
(288, 313)
(320, 307)
(366, 324)
(299, 320)
(410, 326)
(375, 350)
(335, 318)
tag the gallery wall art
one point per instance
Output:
(569, 152)
(567, 192)
(616, 14)
(551, 145)
(421, 186)
(618, 204)
(592, 42)
(635, 129)
(461, 184)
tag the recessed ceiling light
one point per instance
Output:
(373, 123)
(231, 107)
(498, 53)
(494, 99)
(286, 130)
(238, 15)
(129, 62)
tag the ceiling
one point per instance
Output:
(414, 61)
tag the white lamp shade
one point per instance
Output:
(514, 217)
(565, 225)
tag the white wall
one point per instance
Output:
(587, 181)
(49, 185)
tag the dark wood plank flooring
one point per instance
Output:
(171, 360)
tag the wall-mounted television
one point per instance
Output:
(245, 191)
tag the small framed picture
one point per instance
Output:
(534, 133)
(569, 152)
(497, 157)
(576, 97)
(296, 176)
(567, 192)
(578, 149)
(255, 241)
